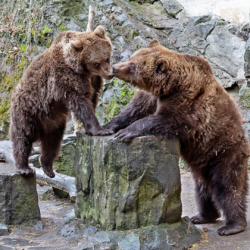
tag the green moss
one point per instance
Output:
(62, 28)
(7, 84)
(46, 30)
(11, 56)
(245, 98)
(4, 110)
(22, 47)
(126, 95)
(157, 7)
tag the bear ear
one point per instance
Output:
(76, 44)
(161, 66)
(153, 43)
(100, 32)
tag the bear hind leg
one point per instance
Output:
(232, 201)
(50, 148)
(208, 212)
(22, 147)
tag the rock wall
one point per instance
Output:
(27, 28)
(230, 10)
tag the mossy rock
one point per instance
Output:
(127, 185)
(19, 200)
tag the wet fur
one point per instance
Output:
(181, 98)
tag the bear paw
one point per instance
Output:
(231, 229)
(112, 127)
(25, 170)
(100, 132)
(198, 219)
(126, 136)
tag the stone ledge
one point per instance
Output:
(18, 197)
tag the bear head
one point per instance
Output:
(87, 51)
(149, 69)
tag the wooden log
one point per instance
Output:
(61, 181)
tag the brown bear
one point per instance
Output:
(180, 97)
(67, 76)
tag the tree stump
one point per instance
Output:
(18, 197)
(127, 185)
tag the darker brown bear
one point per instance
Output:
(180, 97)
(67, 76)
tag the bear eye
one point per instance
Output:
(132, 66)
(108, 60)
(97, 65)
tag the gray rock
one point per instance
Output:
(130, 195)
(3, 230)
(70, 229)
(195, 33)
(248, 116)
(129, 30)
(83, 17)
(64, 164)
(90, 230)
(247, 59)
(130, 242)
(172, 7)
(104, 21)
(126, 55)
(73, 26)
(38, 226)
(220, 51)
(121, 19)
(117, 10)
(101, 237)
(107, 3)
(19, 200)
(69, 127)
(138, 43)
(85, 246)
(2, 157)
(121, 41)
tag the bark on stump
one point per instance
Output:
(18, 197)
(127, 185)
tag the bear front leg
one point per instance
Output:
(84, 111)
(143, 104)
(151, 125)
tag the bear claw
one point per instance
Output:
(25, 171)
(198, 219)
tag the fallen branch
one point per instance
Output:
(61, 181)
(91, 18)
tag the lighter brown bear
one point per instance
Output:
(180, 97)
(67, 76)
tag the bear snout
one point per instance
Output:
(111, 76)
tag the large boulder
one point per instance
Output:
(18, 197)
(127, 185)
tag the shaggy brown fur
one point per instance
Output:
(183, 99)
(67, 76)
